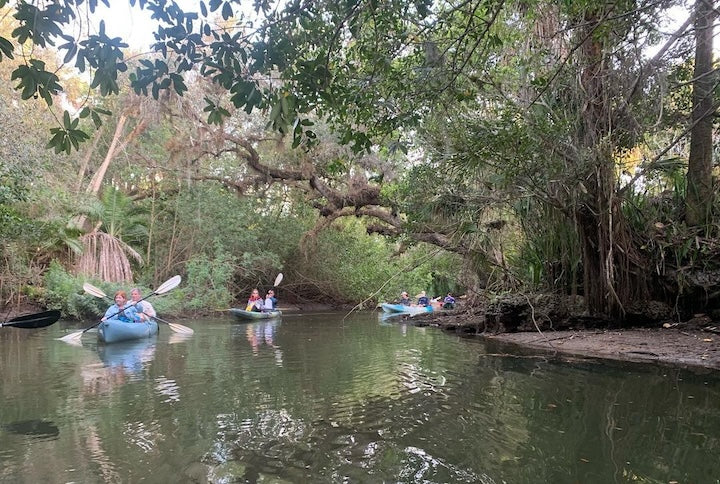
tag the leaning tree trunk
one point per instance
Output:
(699, 198)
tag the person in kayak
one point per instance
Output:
(255, 302)
(422, 299)
(270, 301)
(121, 310)
(144, 308)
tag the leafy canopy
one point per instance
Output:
(360, 64)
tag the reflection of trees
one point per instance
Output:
(412, 411)
(605, 426)
(366, 404)
(90, 405)
(99, 379)
(344, 414)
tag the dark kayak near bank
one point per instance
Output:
(252, 315)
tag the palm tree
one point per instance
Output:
(106, 248)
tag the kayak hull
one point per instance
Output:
(253, 315)
(402, 309)
(114, 331)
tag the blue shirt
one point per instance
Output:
(128, 315)
(270, 303)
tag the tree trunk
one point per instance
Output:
(97, 179)
(699, 197)
(610, 275)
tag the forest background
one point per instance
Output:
(363, 148)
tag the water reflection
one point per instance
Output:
(390, 318)
(121, 362)
(130, 356)
(351, 401)
(261, 336)
(36, 429)
(176, 338)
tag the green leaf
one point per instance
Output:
(6, 48)
(96, 119)
(227, 11)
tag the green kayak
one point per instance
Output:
(247, 315)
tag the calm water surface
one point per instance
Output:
(313, 398)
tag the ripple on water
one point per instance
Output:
(144, 435)
(168, 388)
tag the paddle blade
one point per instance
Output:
(93, 291)
(32, 321)
(278, 279)
(72, 338)
(168, 285)
(72, 342)
(179, 328)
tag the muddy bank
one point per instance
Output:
(693, 349)
(651, 336)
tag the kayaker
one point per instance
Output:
(121, 310)
(449, 302)
(255, 302)
(270, 301)
(422, 299)
(144, 308)
(404, 299)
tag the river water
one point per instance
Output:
(319, 398)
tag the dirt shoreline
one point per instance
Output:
(675, 347)
(669, 347)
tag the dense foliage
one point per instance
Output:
(533, 144)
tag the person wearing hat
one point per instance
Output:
(422, 299)
(404, 299)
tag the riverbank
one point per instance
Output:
(677, 345)
(691, 344)
(693, 349)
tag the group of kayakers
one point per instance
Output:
(133, 311)
(260, 304)
(422, 300)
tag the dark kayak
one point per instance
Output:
(250, 315)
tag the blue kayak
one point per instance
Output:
(249, 315)
(113, 330)
(402, 309)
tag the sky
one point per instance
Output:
(136, 28)
(130, 23)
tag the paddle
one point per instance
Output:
(97, 292)
(166, 286)
(32, 321)
(278, 280)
